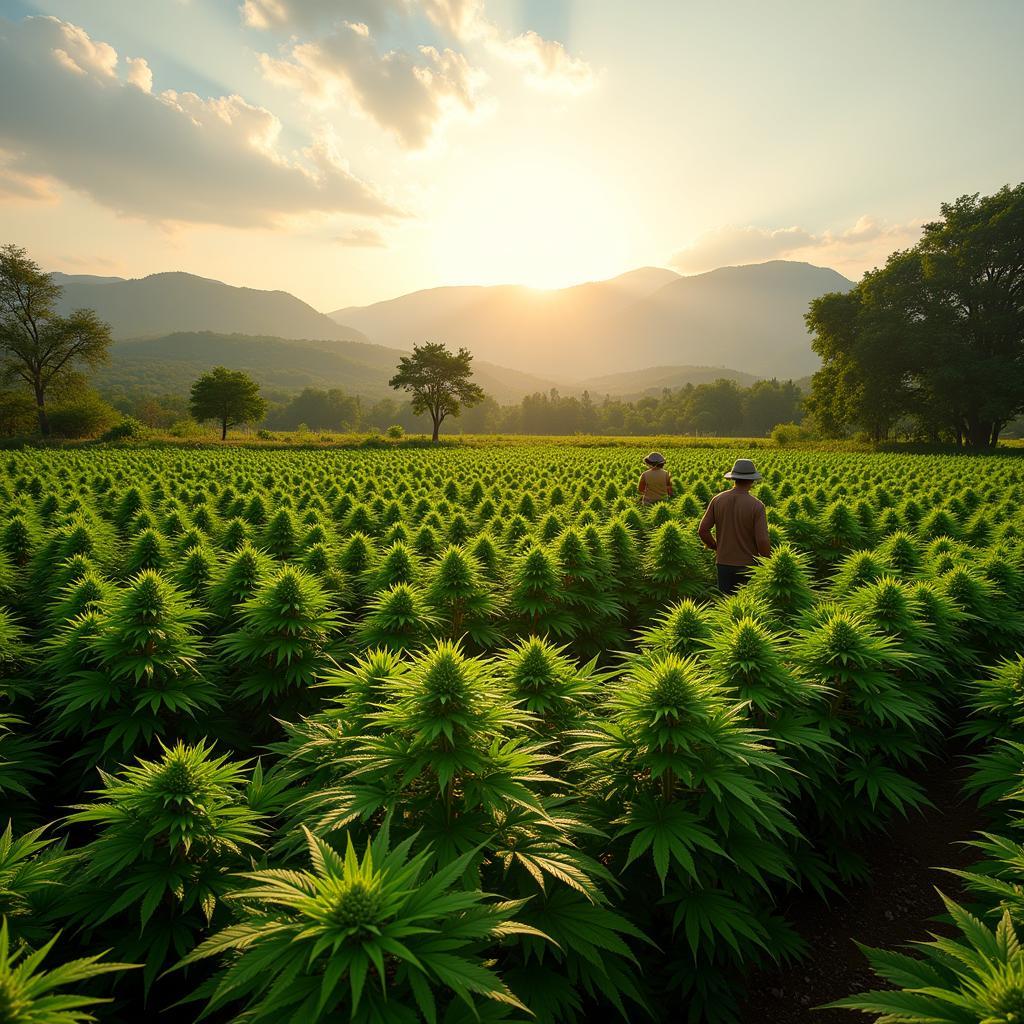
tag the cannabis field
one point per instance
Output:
(399, 735)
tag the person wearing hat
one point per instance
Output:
(655, 482)
(741, 528)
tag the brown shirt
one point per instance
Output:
(654, 485)
(741, 527)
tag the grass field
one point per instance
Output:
(397, 734)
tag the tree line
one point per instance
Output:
(722, 408)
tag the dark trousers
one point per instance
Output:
(732, 577)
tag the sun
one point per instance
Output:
(544, 224)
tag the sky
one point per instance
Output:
(349, 151)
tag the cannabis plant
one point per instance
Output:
(283, 639)
(397, 619)
(783, 583)
(463, 599)
(550, 685)
(235, 580)
(683, 629)
(534, 596)
(977, 978)
(167, 833)
(884, 725)
(128, 672)
(370, 938)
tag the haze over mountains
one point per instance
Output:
(631, 335)
(747, 318)
(171, 363)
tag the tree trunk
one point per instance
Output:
(224, 430)
(979, 433)
(44, 420)
(437, 427)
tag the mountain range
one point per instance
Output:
(628, 336)
(166, 303)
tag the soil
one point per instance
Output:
(898, 906)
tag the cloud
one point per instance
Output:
(458, 18)
(409, 94)
(20, 187)
(546, 63)
(365, 238)
(290, 14)
(139, 74)
(865, 244)
(171, 156)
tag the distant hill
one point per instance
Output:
(170, 364)
(63, 279)
(749, 317)
(653, 380)
(534, 330)
(164, 303)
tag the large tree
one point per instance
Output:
(227, 396)
(440, 381)
(936, 335)
(37, 346)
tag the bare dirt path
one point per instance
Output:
(895, 908)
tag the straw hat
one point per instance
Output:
(655, 459)
(743, 469)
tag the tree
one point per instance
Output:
(37, 346)
(936, 335)
(438, 380)
(227, 396)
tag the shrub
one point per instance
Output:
(128, 429)
(84, 416)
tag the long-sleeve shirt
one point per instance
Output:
(741, 527)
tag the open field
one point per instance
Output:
(394, 733)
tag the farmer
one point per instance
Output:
(740, 525)
(655, 482)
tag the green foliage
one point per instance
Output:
(28, 993)
(916, 338)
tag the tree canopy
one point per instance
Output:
(228, 396)
(440, 381)
(934, 340)
(38, 347)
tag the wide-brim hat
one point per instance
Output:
(743, 469)
(655, 459)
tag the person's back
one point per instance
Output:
(657, 483)
(740, 526)
(737, 515)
